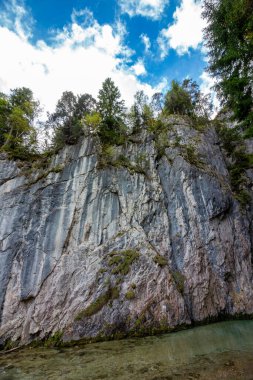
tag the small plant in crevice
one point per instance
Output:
(160, 260)
(121, 261)
(44, 174)
(110, 294)
(179, 280)
(10, 344)
(130, 294)
(161, 143)
(190, 155)
(55, 340)
(177, 141)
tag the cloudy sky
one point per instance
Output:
(55, 45)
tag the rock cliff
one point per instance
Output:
(153, 240)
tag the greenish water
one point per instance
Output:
(218, 351)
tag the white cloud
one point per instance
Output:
(206, 82)
(206, 86)
(16, 16)
(83, 54)
(146, 41)
(139, 68)
(147, 8)
(186, 30)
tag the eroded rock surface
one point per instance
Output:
(91, 250)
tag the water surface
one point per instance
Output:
(218, 351)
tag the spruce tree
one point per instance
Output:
(229, 39)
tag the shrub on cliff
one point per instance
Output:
(186, 99)
(178, 100)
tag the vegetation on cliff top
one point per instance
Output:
(23, 137)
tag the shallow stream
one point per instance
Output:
(218, 351)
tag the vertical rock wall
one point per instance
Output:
(154, 243)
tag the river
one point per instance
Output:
(218, 351)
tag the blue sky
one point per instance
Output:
(57, 45)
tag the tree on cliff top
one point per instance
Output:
(17, 114)
(66, 120)
(178, 100)
(186, 99)
(110, 104)
(112, 110)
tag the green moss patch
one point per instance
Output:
(130, 294)
(190, 155)
(179, 279)
(160, 260)
(121, 261)
(54, 340)
(99, 303)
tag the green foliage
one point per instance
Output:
(157, 125)
(141, 164)
(160, 132)
(243, 197)
(85, 105)
(229, 39)
(130, 294)
(110, 106)
(179, 280)
(140, 113)
(54, 340)
(5, 110)
(17, 112)
(177, 142)
(242, 162)
(178, 100)
(121, 261)
(44, 173)
(99, 303)
(10, 344)
(187, 99)
(22, 98)
(93, 121)
(109, 152)
(232, 142)
(66, 121)
(201, 104)
(190, 155)
(230, 137)
(110, 156)
(248, 134)
(160, 260)
(112, 129)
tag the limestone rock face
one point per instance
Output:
(152, 241)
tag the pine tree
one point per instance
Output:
(112, 110)
(229, 39)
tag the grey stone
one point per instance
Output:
(57, 232)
